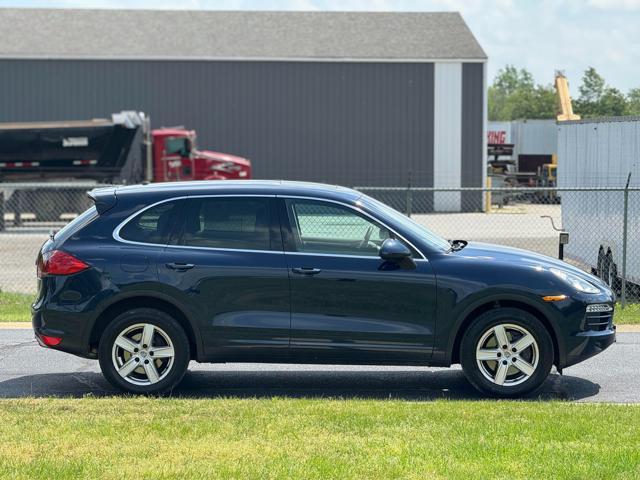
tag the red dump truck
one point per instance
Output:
(120, 150)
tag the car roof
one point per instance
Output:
(239, 187)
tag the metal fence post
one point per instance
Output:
(1, 210)
(487, 199)
(625, 221)
(17, 216)
(409, 196)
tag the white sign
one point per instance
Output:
(75, 142)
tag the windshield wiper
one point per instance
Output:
(457, 245)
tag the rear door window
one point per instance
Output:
(154, 225)
(228, 222)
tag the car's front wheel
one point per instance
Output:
(506, 352)
(144, 351)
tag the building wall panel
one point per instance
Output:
(354, 124)
(472, 134)
(447, 134)
(346, 123)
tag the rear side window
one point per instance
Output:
(76, 224)
(154, 225)
(227, 222)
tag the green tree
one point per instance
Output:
(514, 95)
(510, 79)
(593, 86)
(597, 99)
(613, 103)
(633, 102)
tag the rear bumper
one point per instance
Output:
(72, 340)
(584, 345)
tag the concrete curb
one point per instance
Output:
(628, 329)
(15, 325)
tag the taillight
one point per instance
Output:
(57, 262)
(50, 341)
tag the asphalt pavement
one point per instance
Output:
(29, 370)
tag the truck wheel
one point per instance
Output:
(609, 271)
(600, 264)
(612, 273)
(144, 351)
(506, 352)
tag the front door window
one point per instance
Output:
(321, 227)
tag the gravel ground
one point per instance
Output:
(18, 252)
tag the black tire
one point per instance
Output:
(168, 327)
(611, 273)
(522, 320)
(600, 264)
(606, 269)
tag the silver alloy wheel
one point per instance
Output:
(143, 354)
(507, 354)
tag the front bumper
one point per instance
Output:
(583, 334)
(586, 344)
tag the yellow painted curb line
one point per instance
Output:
(15, 325)
(628, 329)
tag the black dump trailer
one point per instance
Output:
(94, 151)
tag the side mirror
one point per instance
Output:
(394, 250)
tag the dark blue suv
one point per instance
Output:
(154, 276)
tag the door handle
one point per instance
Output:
(306, 270)
(180, 266)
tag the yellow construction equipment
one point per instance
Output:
(566, 109)
(548, 173)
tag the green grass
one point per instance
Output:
(629, 316)
(328, 438)
(15, 307)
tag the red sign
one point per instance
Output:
(497, 136)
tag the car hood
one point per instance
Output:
(222, 157)
(526, 258)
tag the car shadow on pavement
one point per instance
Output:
(384, 384)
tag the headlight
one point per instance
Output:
(575, 281)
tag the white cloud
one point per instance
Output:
(615, 4)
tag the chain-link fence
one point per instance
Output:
(29, 212)
(603, 225)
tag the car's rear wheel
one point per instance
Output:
(506, 352)
(144, 351)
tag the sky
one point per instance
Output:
(539, 35)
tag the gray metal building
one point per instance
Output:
(346, 98)
(535, 141)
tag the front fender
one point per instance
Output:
(454, 319)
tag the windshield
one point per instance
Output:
(177, 146)
(407, 223)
